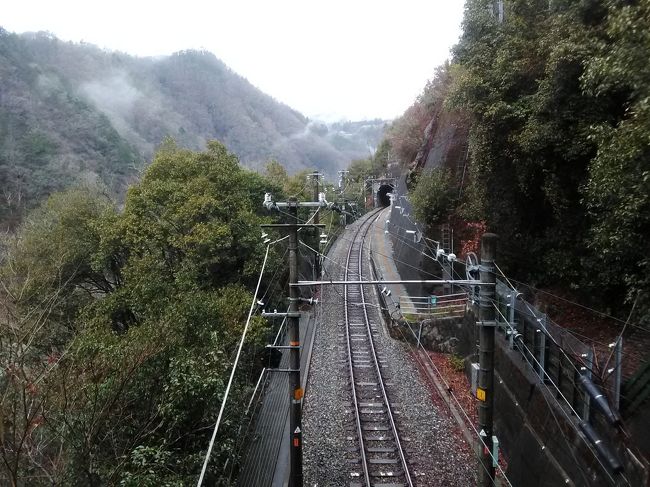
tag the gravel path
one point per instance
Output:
(429, 434)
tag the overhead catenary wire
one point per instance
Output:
(272, 280)
(232, 373)
(383, 255)
(564, 412)
(620, 336)
(336, 263)
(542, 369)
(463, 263)
(624, 322)
(550, 336)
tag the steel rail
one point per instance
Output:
(389, 411)
(359, 241)
(357, 413)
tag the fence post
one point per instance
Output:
(511, 317)
(542, 347)
(589, 361)
(617, 377)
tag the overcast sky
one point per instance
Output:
(335, 59)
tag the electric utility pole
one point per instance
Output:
(485, 389)
(295, 431)
(342, 179)
(293, 328)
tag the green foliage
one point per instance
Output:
(618, 188)
(557, 98)
(136, 316)
(359, 170)
(297, 186)
(558, 95)
(433, 196)
(457, 363)
(530, 137)
(274, 171)
(53, 254)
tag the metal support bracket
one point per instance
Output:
(275, 314)
(487, 323)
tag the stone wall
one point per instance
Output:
(446, 335)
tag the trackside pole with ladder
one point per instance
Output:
(295, 424)
(293, 329)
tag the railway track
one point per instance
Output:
(378, 459)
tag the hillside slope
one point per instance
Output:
(75, 113)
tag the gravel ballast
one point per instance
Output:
(434, 448)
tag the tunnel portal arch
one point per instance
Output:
(383, 198)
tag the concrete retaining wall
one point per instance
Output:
(542, 446)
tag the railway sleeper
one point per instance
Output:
(387, 473)
(393, 484)
(375, 427)
(379, 437)
(374, 419)
(380, 449)
(383, 461)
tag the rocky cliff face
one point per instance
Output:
(444, 145)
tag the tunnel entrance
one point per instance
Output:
(382, 195)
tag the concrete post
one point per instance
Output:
(295, 479)
(618, 365)
(487, 325)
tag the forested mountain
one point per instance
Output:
(73, 113)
